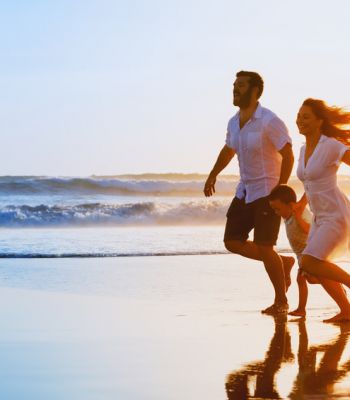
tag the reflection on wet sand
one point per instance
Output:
(257, 379)
(239, 383)
(312, 380)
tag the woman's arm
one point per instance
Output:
(346, 157)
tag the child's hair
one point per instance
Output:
(284, 193)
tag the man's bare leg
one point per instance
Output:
(273, 265)
(274, 268)
(250, 250)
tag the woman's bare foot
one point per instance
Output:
(288, 263)
(298, 313)
(341, 317)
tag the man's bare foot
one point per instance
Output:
(298, 313)
(288, 263)
(341, 317)
(276, 308)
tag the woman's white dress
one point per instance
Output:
(330, 229)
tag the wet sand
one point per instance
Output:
(185, 327)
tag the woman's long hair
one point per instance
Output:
(335, 120)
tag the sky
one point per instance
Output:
(112, 87)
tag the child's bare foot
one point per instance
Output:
(288, 263)
(298, 313)
(341, 317)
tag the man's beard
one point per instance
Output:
(244, 100)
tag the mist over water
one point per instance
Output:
(120, 186)
(123, 185)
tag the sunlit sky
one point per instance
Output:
(110, 87)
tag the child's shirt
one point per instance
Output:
(296, 236)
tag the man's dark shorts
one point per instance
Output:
(257, 215)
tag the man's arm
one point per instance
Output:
(287, 163)
(225, 156)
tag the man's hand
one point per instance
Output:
(209, 187)
(225, 156)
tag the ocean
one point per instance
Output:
(74, 327)
(123, 215)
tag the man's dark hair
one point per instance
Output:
(254, 81)
(284, 193)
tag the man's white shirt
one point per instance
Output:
(257, 147)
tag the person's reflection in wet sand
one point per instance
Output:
(279, 351)
(320, 381)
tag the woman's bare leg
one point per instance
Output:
(336, 291)
(325, 269)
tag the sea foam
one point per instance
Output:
(192, 212)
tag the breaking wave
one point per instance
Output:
(195, 212)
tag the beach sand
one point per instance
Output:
(183, 327)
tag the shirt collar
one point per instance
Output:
(321, 139)
(257, 113)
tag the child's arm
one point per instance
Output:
(298, 210)
(302, 202)
(298, 214)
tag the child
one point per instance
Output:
(297, 220)
(283, 201)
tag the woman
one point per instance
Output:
(326, 147)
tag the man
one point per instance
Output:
(263, 147)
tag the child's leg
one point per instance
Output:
(338, 294)
(303, 294)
